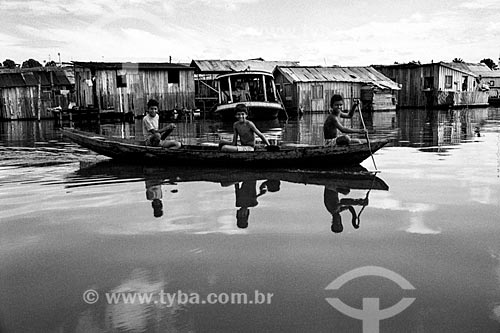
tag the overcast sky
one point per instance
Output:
(325, 32)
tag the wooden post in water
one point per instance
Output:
(39, 102)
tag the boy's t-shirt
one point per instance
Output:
(149, 123)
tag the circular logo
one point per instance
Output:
(90, 296)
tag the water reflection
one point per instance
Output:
(335, 206)
(249, 185)
(27, 133)
(66, 230)
(154, 194)
(435, 129)
(429, 130)
(246, 197)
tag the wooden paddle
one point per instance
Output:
(366, 136)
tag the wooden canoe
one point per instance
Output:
(110, 171)
(196, 155)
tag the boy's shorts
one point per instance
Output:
(342, 140)
(245, 148)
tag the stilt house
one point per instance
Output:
(436, 85)
(310, 88)
(126, 87)
(29, 93)
(490, 79)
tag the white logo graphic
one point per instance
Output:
(370, 314)
(90, 296)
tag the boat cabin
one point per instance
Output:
(255, 89)
(246, 87)
(207, 71)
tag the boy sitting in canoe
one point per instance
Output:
(154, 136)
(246, 130)
(332, 123)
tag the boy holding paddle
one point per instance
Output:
(332, 123)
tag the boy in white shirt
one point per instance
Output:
(154, 136)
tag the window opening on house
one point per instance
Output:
(317, 92)
(121, 80)
(428, 82)
(448, 81)
(288, 91)
(173, 76)
(464, 83)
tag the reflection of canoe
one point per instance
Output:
(309, 156)
(112, 171)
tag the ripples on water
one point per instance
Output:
(70, 220)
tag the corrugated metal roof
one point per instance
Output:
(30, 79)
(10, 80)
(337, 74)
(225, 66)
(26, 77)
(130, 65)
(491, 74)
(61, 79)
(44, 78)
(460, 67)
(483, 70)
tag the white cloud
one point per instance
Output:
(93, 28)
(8, 40)
(225, 4)
(479, 4)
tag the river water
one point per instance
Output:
(81, 236)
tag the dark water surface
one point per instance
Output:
(72, 221)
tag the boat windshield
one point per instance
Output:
(246, 88)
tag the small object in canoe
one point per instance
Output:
(273, 148)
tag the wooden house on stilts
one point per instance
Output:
(489, 79)
(126, 87)
(306, 89)
(436, 85)
(30, 93)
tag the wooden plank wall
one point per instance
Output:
(411, 79)
(23, 103)
(376, 99)
(84, 95)
(348, 90)
(456, 80)
(141, 86)
(413, 95)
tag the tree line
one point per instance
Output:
(30, 63)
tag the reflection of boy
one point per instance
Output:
(155, 194)
(154, 136)
(246, 196)
(336, 206)
(332, 124)
(246, 130)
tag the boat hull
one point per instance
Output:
(310, 156)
